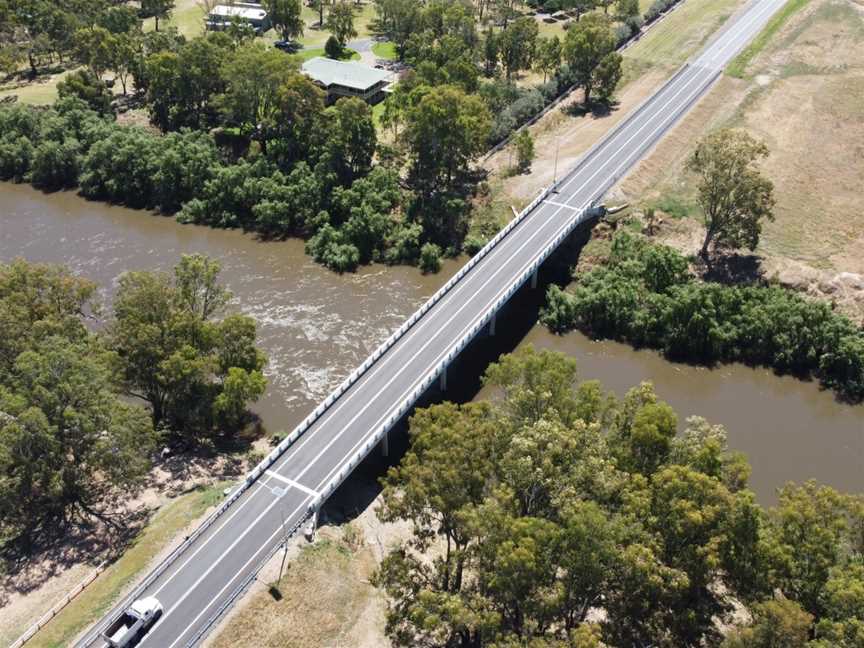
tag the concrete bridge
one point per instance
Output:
(200, 580)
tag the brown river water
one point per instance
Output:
(316, 326)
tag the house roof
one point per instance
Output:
(351, 75)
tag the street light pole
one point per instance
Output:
(280, 492)
(555, 170)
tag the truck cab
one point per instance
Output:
(133, 624)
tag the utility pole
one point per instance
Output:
(280, 492)
(555, 171)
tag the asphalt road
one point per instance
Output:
(206, 575)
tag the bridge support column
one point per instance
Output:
(534, 279)
(444, 379)
(309, 531)
(492, 323)
(385, 445)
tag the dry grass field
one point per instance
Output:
(803, 94)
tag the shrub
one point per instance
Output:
(333, 48)
(644, 295)
(430, 258)
(16, 155)
(623, 33)
(88, 87)
(329, 248)
(55, 164)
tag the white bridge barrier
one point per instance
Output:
(286, 443)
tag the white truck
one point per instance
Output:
(130, 626)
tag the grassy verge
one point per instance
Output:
(385, 50)
(98, 598)
(680, 34)
(324, 596)
(739, 63)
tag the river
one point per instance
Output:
(316, 326)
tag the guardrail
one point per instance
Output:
(388, 343)
(62, 603)
(243, 586)
(355, 375)
(631, 40)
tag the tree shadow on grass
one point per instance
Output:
(732, 268)
(596, 109)
(45, 553)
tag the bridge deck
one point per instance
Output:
(207, 574)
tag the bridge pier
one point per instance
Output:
(492, 323)
(443, 383)
(385, 445)
(309, 531)
(534, 279)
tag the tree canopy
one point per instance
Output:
(584, 520)
(68, 442)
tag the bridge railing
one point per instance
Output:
(408, 402)
(320, 410)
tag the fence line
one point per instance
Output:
(62, 603)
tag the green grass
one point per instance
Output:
(675, 205)
(306, 54)
(187, 17)
(98, 598)
(377, 112)
(738, 65)
(385, 50)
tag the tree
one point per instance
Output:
(734, 195)
(68, 442)
(776, 624)
(196, 373)
(516, 45)
(319, 6)
(627, 11)
(94, 46)
(524, 150)
(120, 20)
(182, 86)
(159, 9)
(285, 15)
(547, 58)
(397, 20)
(340, 22)
(350, 139)
(123, 56)
(254, 75)
(87, 87)
(607, 75)
(585, 46)
(445, 131)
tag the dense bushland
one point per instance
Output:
(645, 295)
(586, 521)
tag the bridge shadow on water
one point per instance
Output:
(514, 321)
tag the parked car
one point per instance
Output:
(292, 47)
